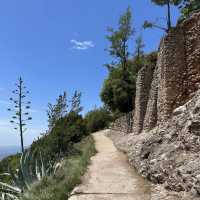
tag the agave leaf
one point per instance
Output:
(10, 187)
(42, 165)
(57, 166)
(5, 174)
(24, 164)
(37, 171)
(3, 196)
(10, 196)
(18, 181)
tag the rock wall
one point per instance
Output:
(144, 79)
(171, 68)
(124, 124)
(167, 116)
(169, 154)
(150, 120)
(191, 29)
(173, 81)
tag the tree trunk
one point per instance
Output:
(168, 15)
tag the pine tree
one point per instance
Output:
(168, 3)
(119, 40)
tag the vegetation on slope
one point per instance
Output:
(67, 142)
(68, 176)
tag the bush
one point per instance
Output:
(118, 89)
(97, 119)
(67, 131)
(11, 162)
(59, 186)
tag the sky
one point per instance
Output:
(60, 46)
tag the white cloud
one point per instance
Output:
(84, 45)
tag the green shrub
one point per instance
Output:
(68, 176)
(97, 119)
(67, 131)
(11, 162)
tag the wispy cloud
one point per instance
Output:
(82, 45)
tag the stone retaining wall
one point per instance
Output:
(175, 79)
(123, 124)
(144, 79)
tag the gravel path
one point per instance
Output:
(109, 176)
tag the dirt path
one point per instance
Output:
(109, 176)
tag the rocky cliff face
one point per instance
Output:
(165, 143)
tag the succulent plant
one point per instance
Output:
(33, 169)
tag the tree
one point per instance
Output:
(57, 111)
(76, 102)
(66, 128)
(168, 3)
(20, 109)
(97, 119)
(139, 53)
(119, 40)
(118, 89)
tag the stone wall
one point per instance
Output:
(171, 73)
(123, 124)
(175, 79)
(150, 120)
(144, 79)
(191, 29)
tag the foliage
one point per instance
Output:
(118, 94)
(60, 108)
(57, 111)
(167, 3)
(59, 185)
(59, 141)
(63, 140)
(189, 6)
(119, 38)
(139, 53)
(20, 109)
(97, 119)
(118, 90)
(76, 102)
(10, 161)
(148, 24)
(32, 169)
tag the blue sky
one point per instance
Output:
(59, 45)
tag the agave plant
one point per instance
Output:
(33, 169)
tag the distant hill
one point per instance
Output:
(8, 150)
